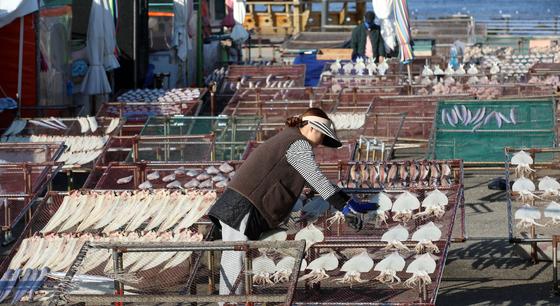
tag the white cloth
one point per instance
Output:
(239, 11)
(110, 61)
(232, 261)
(182, 10)
(12, 9)
(99, 33)
(383, 10)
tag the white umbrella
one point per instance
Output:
(239, 11)
(95, 81)
(182, 11)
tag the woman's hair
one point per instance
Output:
(313, 111)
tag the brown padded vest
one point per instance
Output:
(268, 180)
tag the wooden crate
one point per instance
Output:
(333, 54)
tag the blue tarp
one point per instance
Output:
(7, 103)
(313, 67)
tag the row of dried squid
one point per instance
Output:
(398, 174)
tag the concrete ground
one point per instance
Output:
(487, 269)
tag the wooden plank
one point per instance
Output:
(334, 54)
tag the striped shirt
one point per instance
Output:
(300, 155)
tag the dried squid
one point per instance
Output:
(420, 269)
(524, 187)
(523, 161)
(394, 238)
(284, 269)
(553, 211)
(426, 235)
(388, 268)
(404, 206)
(527, 215)
(319, 266)
(310, 234)
(550, 186)
(354, 267)
(433, 204)
(263, 269)
(385, 204)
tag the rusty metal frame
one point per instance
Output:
(61, 295)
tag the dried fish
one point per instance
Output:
(464, 113)
(174, 184)
(192, 184)
(192, 173)
(490, 115)
(504, 119)
(124, 180)
(458, 113)
(145, 185)
(392, 174)
(450, 119)
(212, 170)
(374, 175)
(226, 168)
(498, 119)
(179, 171)
(206, 184)
(221, 184)
(512, 116)
(218, 178)
(169, 178)
(481, 116)
(477, 126)
(203, 176)
(153, 176)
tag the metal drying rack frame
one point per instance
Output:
(118, 249)
(533, 238)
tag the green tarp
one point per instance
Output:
(534, 127)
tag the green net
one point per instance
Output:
(478, 131)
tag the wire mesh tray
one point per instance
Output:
(371, 292)
(139, 171)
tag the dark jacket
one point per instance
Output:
(268, 181)
(359, 41)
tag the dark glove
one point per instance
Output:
(361, 207)
(354, 220)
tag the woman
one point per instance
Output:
(266, 186)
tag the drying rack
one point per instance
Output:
(139, 171)
(546, 163)
(26, 174)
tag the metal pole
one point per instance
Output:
(20, 63)
(199, 46)
(555, 264)
(324, 14)
(135, 41)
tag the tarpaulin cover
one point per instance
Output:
(534, 127)
(12, 9)
(9, 40)
(313, 68)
